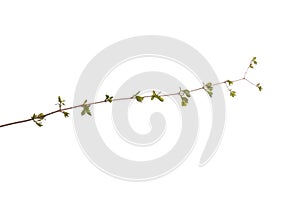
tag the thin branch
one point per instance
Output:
(85, 105)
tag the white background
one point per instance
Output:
(45, 46)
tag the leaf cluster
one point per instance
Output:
(155, 95)
(184, 95)
(208, 87)
(258, 85)
(37, 119)
(86, 109)
(108, 98)
(231, 92)
(61, 103)
(253, 62)
(137, 97)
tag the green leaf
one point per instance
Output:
(259, 87)
(183, 103)
(86, 109)
(184, 99)
(253, 61)
(154, 95)
(160, 98)
(38, 118)
(108, 98)
(139, 98)
(187, 93)
(229, 82)
(61, 102)
(38, 124)
(232, 93)
(208, 87)
(88, 112)
(210, 93)
(66, 114)
(33, 116)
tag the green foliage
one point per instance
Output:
(86, 109)
(208, 87)
(229, 82)
(154, 95)
(259, 87)
(66, 114)
(187, 93)
(232, 93)
(184, 103)
(60, 103)
(37, 119)
(108, 98)
(137, 97)
(184, 95)
(253, 62)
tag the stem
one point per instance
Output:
(128, 98)
(17, 122)
(118, 99)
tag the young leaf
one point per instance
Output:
(139, 98)
(86, 109)
(187, 93)
(232, 93)
(38, 124)
(108, 98)
(259, 86)
(210, 93)
(208, 88)
(33, 116)
(38, 118)
(160, 98)
(60, 103)
(229, 82)
(184, 99)
(253, 61)
(154, 95)
(66, 114)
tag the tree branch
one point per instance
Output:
(184, 94)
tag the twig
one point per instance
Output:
(184, 94)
